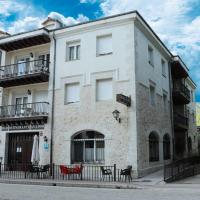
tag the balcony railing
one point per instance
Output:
(181, 93)
(24, 73)
(180, 121)
(25, 111)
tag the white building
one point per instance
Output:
(62, 83)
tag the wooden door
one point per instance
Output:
(20, 150)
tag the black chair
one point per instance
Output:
(44, 169)
(127, 173)
(106, 172)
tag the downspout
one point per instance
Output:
(171, 109)
(53, 101)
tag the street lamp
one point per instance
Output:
(116, 115)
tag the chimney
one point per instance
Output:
(3, 34)
(51, 23)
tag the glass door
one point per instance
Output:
(21, 104)
(23, 66)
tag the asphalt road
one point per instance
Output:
(28, 192)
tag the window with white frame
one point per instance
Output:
(104, 89)
(152, 95)
(164, 73)
(73, 50)
(87, 147)
(72, 93)
(151, 55)
(104, 45)
(165, 101)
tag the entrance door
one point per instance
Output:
(20, 150)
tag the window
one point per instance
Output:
(163, 68)
(104, 90)
(104, 45)
(73, 51)
(152, 95)
(150, 56)
(189, 145)
(72, 93)
(153, 147)
(88, 147)
(165, 103)
(166, 147)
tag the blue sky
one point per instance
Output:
(176, 22)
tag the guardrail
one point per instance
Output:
(181, 169)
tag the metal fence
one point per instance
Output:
(181, 169)
(66, 172)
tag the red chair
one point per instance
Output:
(71, 170)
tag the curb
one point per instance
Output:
(70, 184)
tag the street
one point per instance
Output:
(30, 192)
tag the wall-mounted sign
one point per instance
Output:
(123, 99)
(46, 145)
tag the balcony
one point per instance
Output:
(24, 114)
(180, 122)
(24, 73)
(181, 94)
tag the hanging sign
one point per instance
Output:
(123, 99)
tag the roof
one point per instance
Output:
(49, 19)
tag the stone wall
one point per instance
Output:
(150, 118)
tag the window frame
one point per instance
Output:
(97, 46)
(76, 45)
(82, 142)
(151, 55)
(163, 64)
(65, 93)
(150, 96)
(101, 80)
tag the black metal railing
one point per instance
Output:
(22, 110)
(24, 68)
(180, 87)
(181, 169)
(65, 172)
(180, 119)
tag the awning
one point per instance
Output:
(24, 40)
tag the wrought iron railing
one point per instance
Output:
(24, 68)
(181, 169)
(22, 110)
(180, 87)
(65, 172)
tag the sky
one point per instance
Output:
(177, 22)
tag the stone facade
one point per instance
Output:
(151, 119)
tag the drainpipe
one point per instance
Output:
(171, 109)
(53, 100)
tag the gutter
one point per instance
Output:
(171, 109)
(53, 101)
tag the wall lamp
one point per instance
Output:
(45, 139)
(116, 115)
(29, 92)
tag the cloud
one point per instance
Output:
(26, 24)
(68, 20)
(88, 1)
(7, 7)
